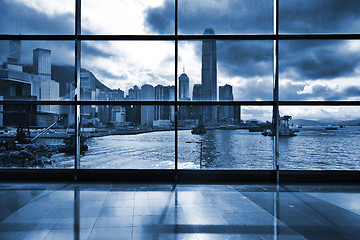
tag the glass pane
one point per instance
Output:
(319, 16)
(225, 70)
(225, 17)
(328, 138)
(234, 142)
(128, 137)
(36, 136)
(36, 70)
(128, 70)
(320, 70)
(123, 17)
(37, 17)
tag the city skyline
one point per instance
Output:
(309, 70)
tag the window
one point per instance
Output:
(122, 84)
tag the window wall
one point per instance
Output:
(178, 84)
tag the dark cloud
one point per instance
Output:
(290, 91)
(107, 74)
(226, 17)
(88, 50)
(18, 17)
(254, 89)
(162, 19)
(245, 58)
(311, 60)
(320, 16)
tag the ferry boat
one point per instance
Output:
(284, 128)
(200, 128)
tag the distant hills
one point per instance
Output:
(325, 121)
(66, 75)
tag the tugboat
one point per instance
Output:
(284, 128)
(200, 128)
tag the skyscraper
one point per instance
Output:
(197, 111)
(184, 111)
(42, 62)
(226, 112)
(147, 112)
(184, 87)
(14, 51)
(209, 76)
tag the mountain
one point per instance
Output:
(66, 75)
(305, 122)
(355, 122)
(327, 120)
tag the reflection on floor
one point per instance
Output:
(156, 211)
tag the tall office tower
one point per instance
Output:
(164, 93)
(197, 111)
(184, 111)
(226, 113)
(14, 51)
(147, 112)
(184, 87)
(171, 97)
(159, 96)
(209, 77)
(42, 62)
(137, 93)
(133, 112)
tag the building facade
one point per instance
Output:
(209, 77)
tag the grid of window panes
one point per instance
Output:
(178, 84)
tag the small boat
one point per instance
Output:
(342, 126)
(200, 128)
(256, 129)
(229, 127)
(331, 128)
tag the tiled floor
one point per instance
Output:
(155, 211)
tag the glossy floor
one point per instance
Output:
(160, 211)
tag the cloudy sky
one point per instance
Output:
(309, 70)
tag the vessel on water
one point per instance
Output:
(199, 128)
(284, 128)
(331, 128)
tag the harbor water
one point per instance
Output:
(312, 148)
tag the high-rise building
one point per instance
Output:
(197, 111)
(14, 51)
(197, 92)
(209, 77)
(226, 113)
(133, 112)
(42, 62)
(147, 112)
(184, 87)
(164, 93)
(226, 93)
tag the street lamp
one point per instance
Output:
(201, 150)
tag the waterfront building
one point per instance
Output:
(209, 77)
(116, 94)
(226, 113)
(42, 63)
(14, 51)
(164, 93)
(133, 112)
(147, 112)
(183, 87)
(184, 111)
(118, 114)
(197, 111)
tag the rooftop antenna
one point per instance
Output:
(18, 25)
(183, 69)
